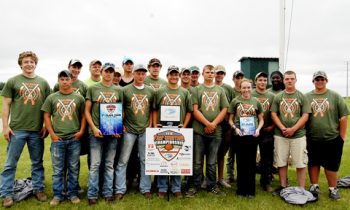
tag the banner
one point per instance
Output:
(169, 151)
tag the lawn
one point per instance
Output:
(134, 200)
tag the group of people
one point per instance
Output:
(286, 124)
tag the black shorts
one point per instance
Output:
(325, 153)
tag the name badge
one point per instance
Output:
(111, 118)
(247, 125)
(170, 115)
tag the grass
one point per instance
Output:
(134, 200)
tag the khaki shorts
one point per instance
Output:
(296, 148)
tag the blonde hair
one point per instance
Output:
(245, 80)
(27, 54)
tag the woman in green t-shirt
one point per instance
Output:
(246, 118)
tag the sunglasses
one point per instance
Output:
(320, 79)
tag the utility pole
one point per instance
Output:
(282, 35)
(347, 79)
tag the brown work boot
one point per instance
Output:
(41, 196)
(92, 202)
(7, 202)
(147, 195)
(162, 194)
(118, 196)
(178, 195)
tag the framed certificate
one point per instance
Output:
(247, 125)
(111, 118)
(170, 115)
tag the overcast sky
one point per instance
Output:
(179, 32)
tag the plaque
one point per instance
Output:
(247, 125)
(111, 118)
(170, 115)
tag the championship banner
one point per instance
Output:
(169, 151)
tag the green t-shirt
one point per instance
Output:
(228, 91)
(155, 84)
(274, 91)
(28, 95)
(66, 111)
(235, 93)
(173, 97)
(241, 107)
(137, 107)
(265, 100)
(327, 108)
(289, 108)
(78, 86)
(210, 101)
(90, 82)
(98, 94)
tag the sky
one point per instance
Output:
(181, 32)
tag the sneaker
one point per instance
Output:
(162, 194)
(278, 191)
(267, 188)
(80, 190)
(204, 184)
(41, 196)
(7, 202)
(315, 190)
(147, 195)
(54, 202)
(191, 192)
(178, 195)
(75, 200)
(334, 194)
(223, 183)
(118, 196)
(217, 192)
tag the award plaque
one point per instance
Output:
(247, 125)
(111, 118)
(170, 115)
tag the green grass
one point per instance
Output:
(134, 200)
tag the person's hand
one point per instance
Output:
(288, 132)
(97, 133)
(55, 138)
(238, 132)
(117, 135)
(7, 131)
(43, 133)
(257, 133)
(78, 135)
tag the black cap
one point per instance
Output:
(64, 73)
(238, 73)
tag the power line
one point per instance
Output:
(289, 33)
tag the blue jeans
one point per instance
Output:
(120, 172)
(208, 147)
(14, 150)
(65, 150)
(106, 148)
(162, 182)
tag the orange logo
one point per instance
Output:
(245, 110)
(66, 108)
(171, 99)
(107, 97)
(139, 102)
(264, 103)
(319, 106)
(168, 143)
(210, 100)
(289, 106)
(29, 92)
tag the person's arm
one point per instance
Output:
(155, 119)
(221, 116)
(260, 124)
(81, 132)
(277, 121)
(199, 116)
(187, 120)
(343, 124)
(48, 124)
(88, 117)
(6, 105)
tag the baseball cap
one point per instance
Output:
(260, 74)
(139, 67)
(64, 73)
(154, 61)
(173, 68)
(108, 66)
(183, 69)
(319, 74)
(75, 62)
(93, 62)
(237, 73)
(194, 68)
(127, 59)
(220, 68)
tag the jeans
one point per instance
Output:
(162, 182)
(105, 148)
(14, 149)
(120, 172)
(66, 150)
(209, 147)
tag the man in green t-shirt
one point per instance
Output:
(185, 77)
(24, 95)
(137, 104)
(153, 80)
(326, 132)
(209, 110)
(290, 111)
(74, 67)
(195, 74)
(65, 121)
(95, 73)
(172, 95)
(220, 73)
(277, 82)
(101, 146)
(266, 134)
